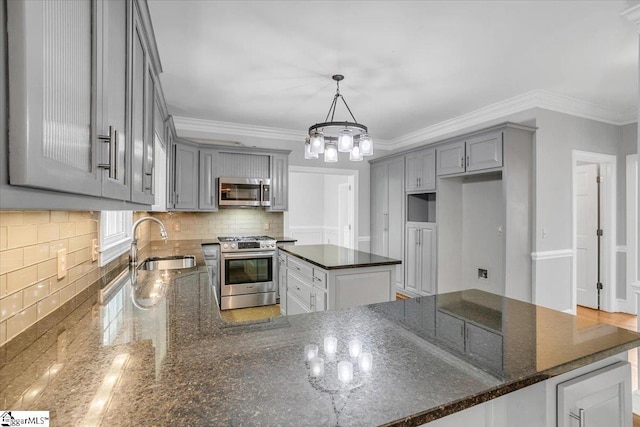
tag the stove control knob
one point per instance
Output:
(225, 246)
(233, 246)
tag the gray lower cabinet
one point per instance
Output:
(207, 182)
(387, 212)
(484, 345)
(421, 170)
(420, 260)
(282, 282)
(598, 398)
(279, 173)
(185, 184)
(450, 330)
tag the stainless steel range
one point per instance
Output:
(247, 271)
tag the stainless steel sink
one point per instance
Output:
(169, 262)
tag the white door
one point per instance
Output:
(345, 229)
(587, 239)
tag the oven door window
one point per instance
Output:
(240, 192)
(250, 270)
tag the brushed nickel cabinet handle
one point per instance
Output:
(467, 161)
(110, 165)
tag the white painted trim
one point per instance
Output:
(632, 222)
(621, 248)
(633, 15)
(533, 99)
(364, 239)
(545, 255)
(608, 164)
(570, 311)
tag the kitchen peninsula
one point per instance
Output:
(152, 349)
(330, 277)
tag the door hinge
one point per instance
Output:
(599, 179)
(599, 232)
(599, 286)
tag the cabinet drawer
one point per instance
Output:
(303, 269)
(300, 289)
(319, 278)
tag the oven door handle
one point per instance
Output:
(248, 255)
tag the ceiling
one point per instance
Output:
(408, 65)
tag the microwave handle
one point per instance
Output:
(264, 188)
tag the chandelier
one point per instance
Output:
(331, 137)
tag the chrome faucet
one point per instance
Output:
(133, 255)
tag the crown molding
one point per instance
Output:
(237, 129)
(633, 15)
(526, 101)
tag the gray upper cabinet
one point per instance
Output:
(451, 158)
(81, 98)
(421, 170)
(387, 212)
(207, 183)
(476, 153)
(484, 151)
(51, 126)
(243, 165)
(185, 176)
(142, 91)
(279, 182)
(112, 108)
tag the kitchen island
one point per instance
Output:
(151, 349)
(330, 277)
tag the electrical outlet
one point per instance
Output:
(62, 263)
(176, 226)
(483, 273)
(266, 225)
(95, 250)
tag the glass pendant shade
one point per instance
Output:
(307, 151)
(345, 140)
(355, 155)
(366, 145)
(331, 153)
(317, 142)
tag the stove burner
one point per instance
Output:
(246, 243)
(243, 238)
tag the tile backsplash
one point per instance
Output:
(29, 244)
(225, 222)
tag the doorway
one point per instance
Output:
(322, 206)
(594, 230)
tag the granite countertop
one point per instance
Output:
(152, 349)
(332, 257)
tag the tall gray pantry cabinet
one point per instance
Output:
(387, 212)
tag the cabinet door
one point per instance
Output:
(279, 182)
(111, 86)
(207, 188)
(51, 141)
(412, 261)
(186, 182)
(141, 111)
(428, 168)
(318, 300)
(395, 216)
(379, 208)
(484, 152)
(599, 398)
(295, 306)
(427, 260)
(413, 172)
(239, 165)
(450, 158)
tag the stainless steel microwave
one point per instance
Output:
(238, 192)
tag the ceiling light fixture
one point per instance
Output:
(331, 137)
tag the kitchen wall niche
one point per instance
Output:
(421, 207)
